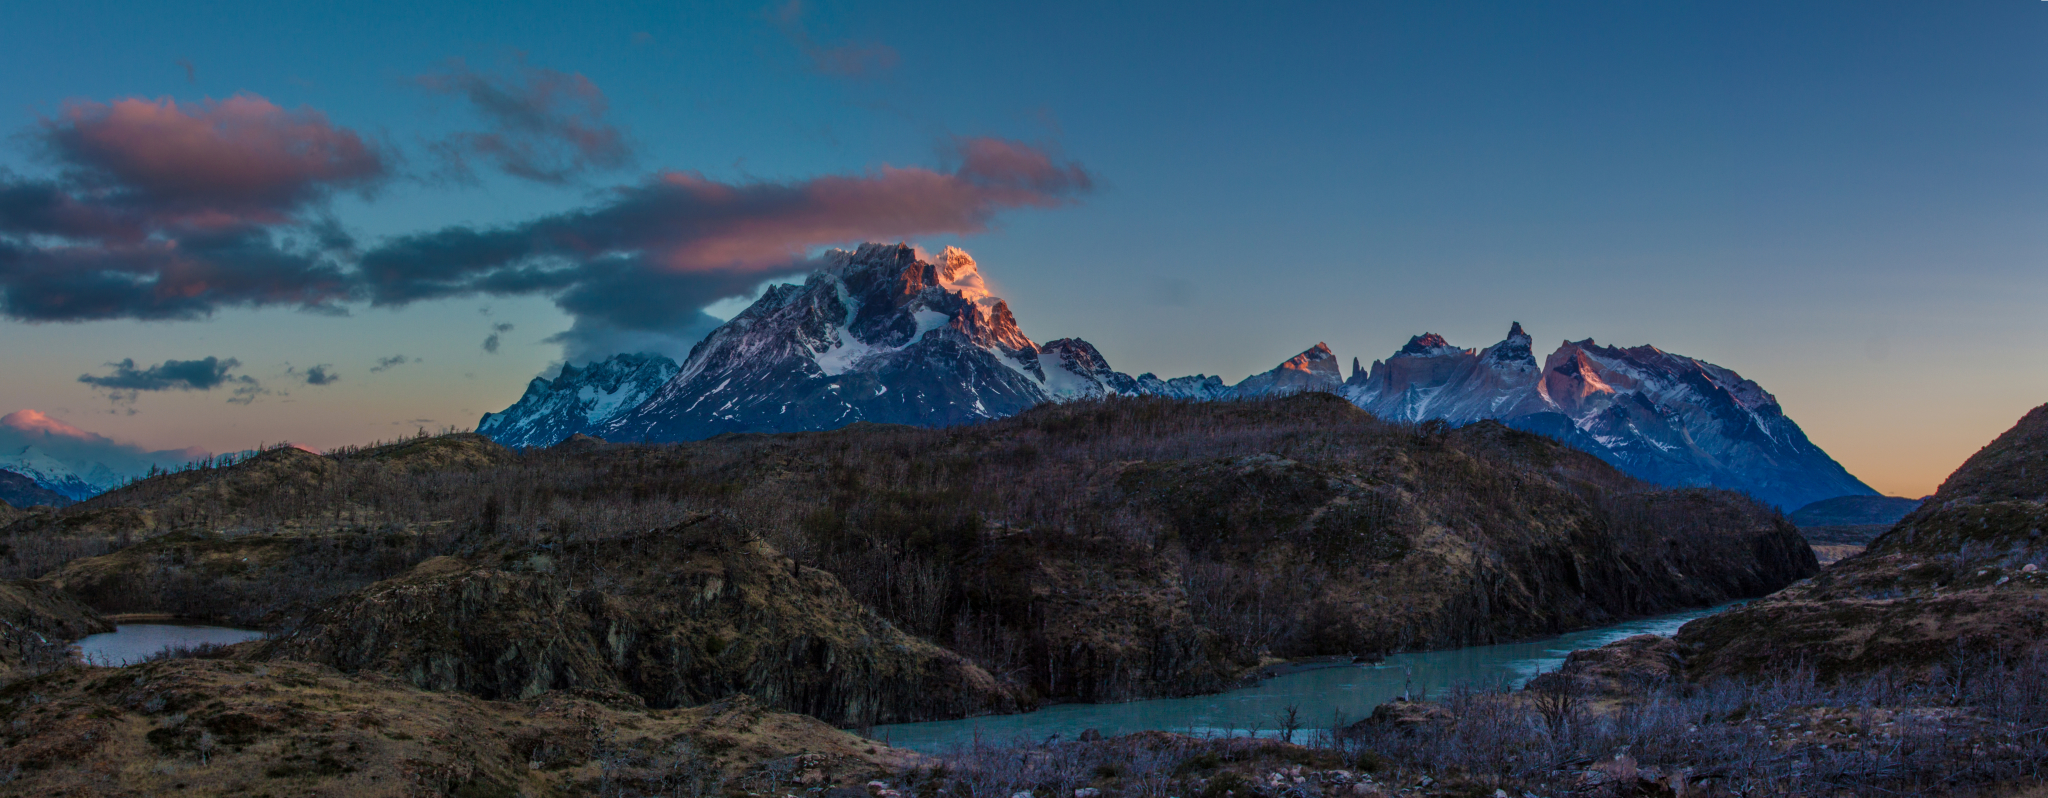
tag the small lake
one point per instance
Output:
(135, 642)
(1324, 694)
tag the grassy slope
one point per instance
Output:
(203, 727)
(1949, 579)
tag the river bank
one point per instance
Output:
(1322, 695)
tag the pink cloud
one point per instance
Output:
(36, 422)
(29, 427)
(692, 224)
(212, 163)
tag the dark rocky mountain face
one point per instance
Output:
(1961, 576)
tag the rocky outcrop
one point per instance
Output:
(211, 727)
(677, 616)
(1626, 668)
(1961, 576)
(37, 625)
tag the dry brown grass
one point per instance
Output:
(206, 728)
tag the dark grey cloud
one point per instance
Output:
(168, 211)
(204, 374)
(388, 363)
(127, 381)
(322, 374)
(491, 342)
(541, 124)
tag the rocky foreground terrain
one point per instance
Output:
(449, 616)
(1919, 667)
(197, 727)
(1089, 551)
(1961, 577)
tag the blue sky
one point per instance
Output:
(1843, 201)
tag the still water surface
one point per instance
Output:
(1324, 694)
(131, 643)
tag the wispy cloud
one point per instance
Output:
(846, 58)
(394, 361)
(491, 342)
(541, 124)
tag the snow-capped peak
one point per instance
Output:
(56, 475)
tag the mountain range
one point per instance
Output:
(57, 476)
(880, 335)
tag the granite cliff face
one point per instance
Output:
(1961, 576)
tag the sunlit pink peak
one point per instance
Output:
(1315, 358)
(27, 420)
(1427, 345)
(959, 273)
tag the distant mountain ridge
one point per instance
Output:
(21, 492)
(58, 477)
(1659, 416)
(578, 401)
(880, 335)
(1856, 510)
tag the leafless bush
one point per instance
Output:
(1977, 722)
